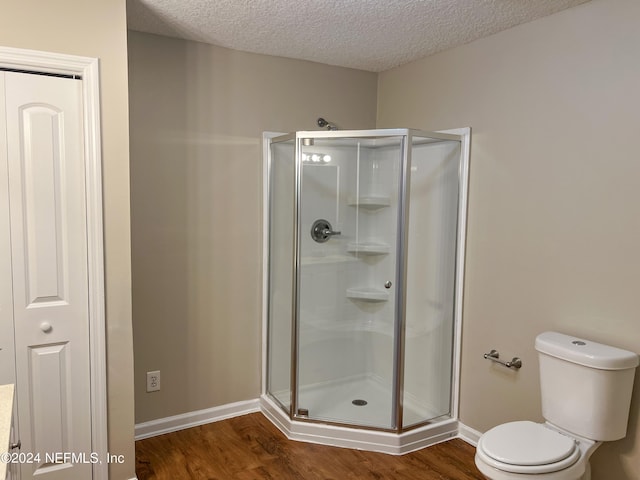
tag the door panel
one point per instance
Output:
(45, 225)
(48, 379)
(49, 264)
(347, 281)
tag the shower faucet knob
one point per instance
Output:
(321, 231)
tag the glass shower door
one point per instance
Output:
(349, 191)
(430, 279)
(281, 267)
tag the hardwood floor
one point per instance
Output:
(250, 447)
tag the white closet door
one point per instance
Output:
(47, 207)
(7, 356)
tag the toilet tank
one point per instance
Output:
(586, 386)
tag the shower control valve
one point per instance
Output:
(321, 231)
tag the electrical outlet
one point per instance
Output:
(153, 381)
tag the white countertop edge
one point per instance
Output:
(6, 413)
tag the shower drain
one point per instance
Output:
(359, 403)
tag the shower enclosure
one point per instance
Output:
(365, 244)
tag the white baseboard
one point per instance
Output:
(468, 434)
(193, 419)
(223, 412)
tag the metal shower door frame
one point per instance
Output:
(460, 135)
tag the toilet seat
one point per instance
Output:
(527, 447)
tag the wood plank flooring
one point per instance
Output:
(251, 448)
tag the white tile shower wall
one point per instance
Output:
(337, 333)
(328, 349)
(380, 226)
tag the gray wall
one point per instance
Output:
(554, 206)
(197, 117)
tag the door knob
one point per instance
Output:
(46, 327)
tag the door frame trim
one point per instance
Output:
(88, 69)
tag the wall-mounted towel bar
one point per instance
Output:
(494, 356)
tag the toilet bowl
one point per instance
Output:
(586, 394)
(518, 450)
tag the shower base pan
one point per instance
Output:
(342, 401)
(337, 404)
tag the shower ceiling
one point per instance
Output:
(372, 35)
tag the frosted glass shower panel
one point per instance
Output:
(281, 268)
(346, 315)
(430, 279)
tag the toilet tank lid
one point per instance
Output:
(585, 352)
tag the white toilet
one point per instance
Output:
(586, 392)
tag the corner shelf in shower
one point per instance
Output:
(347, 326)
(378, 326)
(325, 259)
(368, 248)
(370, 202)
(368, 294)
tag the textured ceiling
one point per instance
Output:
(372, 35)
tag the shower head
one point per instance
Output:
(322, 123)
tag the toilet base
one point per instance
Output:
(575, 472)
